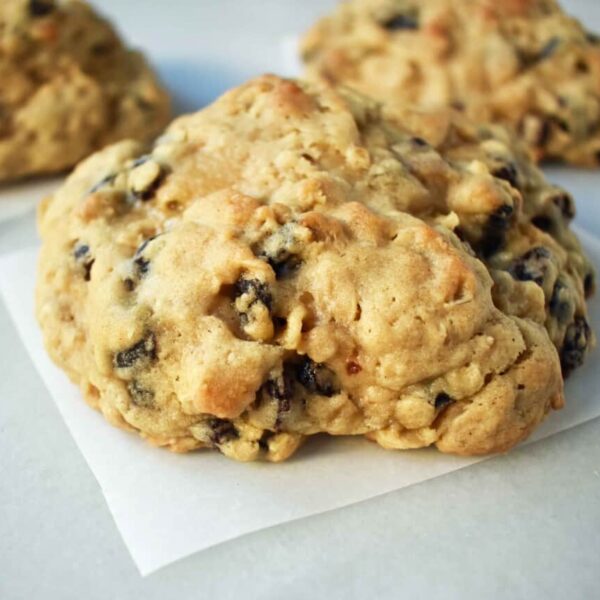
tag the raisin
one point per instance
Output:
(532, 266)
(546, 128)
(400, 22)
(442, 400)
(137, 355)
(420, 142)
(222, 431)
(565, 204)
(144, 245)
(548, 50)
(140, 396)
(140, 161)
(589, 285)
(280, 251)
(285, 268)
(258, 289)
(543, 222)
(264, 440)
(104, 182)
(142, 265)
(281, 389)
(101, 49)
(560, 302)
(592, 38)
(544, 134)
(315, 377)
(494, 233)
(508, 172)
(87, 274)
(575, 345)
(531, 59)
(41, 8)
(129, 284)
(83, 257)
(80, 251)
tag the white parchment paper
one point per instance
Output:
(168, 506)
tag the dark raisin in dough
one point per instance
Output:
(442, 400)
(532, 266)
(508, 172)
(400, 22)
(41, 8)
(316, 378)
(575, 346)
(566, 205)
(142, 266)
(144, 245)
(83, 257)
(543, 222)
(104, 182)
(140, 354)
(140, 396)
(281, 389)
(222, 431)
(140, 161)
(531, 59)
(257, 288)
(494, 234)
(589, 285)
(544, 134)
(420, 142)
(561, 305)
(278, 252)
(81, 250)
(548, 50)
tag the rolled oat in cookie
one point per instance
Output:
(69, 87)
(301, 260)
(523, 63)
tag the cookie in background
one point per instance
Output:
(523, 63)
(69, 87)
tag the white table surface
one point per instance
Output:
(524, 525)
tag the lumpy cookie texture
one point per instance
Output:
(524, 63)
(296, 259)
(69, 87)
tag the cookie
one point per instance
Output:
(523, 63)
(275, 266)
(69, 87)
(516, 222)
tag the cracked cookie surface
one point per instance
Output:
(524, 63)
(283, 263)
(69, 87)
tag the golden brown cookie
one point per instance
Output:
(69, 87)
(524, 63)
(282, 264)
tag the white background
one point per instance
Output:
(521, 526)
